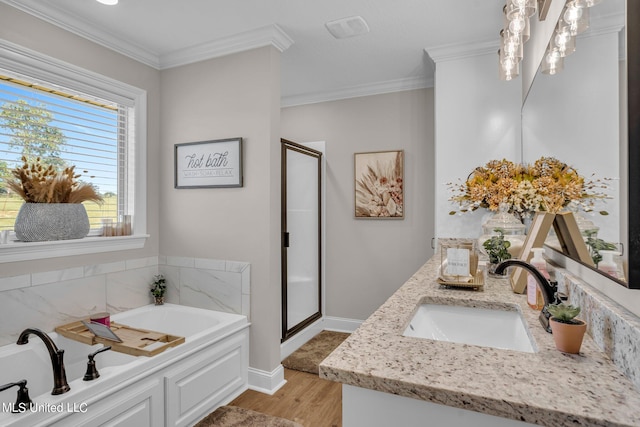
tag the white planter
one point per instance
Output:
(40, 222)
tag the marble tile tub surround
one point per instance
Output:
(208, 283)
(548, 387)
(613, 328)
(48, 299)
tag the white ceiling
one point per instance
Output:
(315, 66)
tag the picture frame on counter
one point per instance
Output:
(208, 164)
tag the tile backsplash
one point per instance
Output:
(207, 283)
(48, 299)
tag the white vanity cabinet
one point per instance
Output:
(371, 408)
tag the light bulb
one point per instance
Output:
(564, 41)
(577, 18)
(523, 7)
(511, 45)
(517, 24)
(520, 26)
(508, 69)
(572, 14)
(553, 62)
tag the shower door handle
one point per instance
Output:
(285, 239)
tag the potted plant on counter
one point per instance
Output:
(497, 249)
(53, 208)
(159, 288)
(568, 332)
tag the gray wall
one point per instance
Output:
(368, 259)
(477, 119)
(233, 96)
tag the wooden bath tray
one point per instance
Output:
(135, 341)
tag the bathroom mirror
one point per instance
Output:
(579, 114)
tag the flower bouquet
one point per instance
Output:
(546, 185)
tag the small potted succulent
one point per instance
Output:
(568, 331)
(497, 248)
(159, 288)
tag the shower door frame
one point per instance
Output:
(286, 331)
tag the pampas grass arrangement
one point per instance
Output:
(38, 183)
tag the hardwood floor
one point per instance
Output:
(305, 398)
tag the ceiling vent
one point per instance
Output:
(347, 27)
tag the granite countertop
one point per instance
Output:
(531, 387)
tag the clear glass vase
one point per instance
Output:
(511, 227)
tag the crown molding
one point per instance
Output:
(461, 50)
(268, 35)
(357, 91)
(603, 25)
(260, 37)
(613, 23)
(47, 12)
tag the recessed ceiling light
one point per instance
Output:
(347, 27)
(108, 2)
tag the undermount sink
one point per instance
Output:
(486, 327)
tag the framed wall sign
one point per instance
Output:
(379, 186)
(203, 164)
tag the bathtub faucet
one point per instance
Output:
(23, 402)
(548, 289)
(60, 384)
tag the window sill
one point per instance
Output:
(25, 251)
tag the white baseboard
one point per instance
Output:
(266, 382)
(270, 382)
(338, 324)
(296, 341)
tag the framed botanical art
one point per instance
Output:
(379, 184)
(203, 164)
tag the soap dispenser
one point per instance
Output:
(608, 265)
(534, 295)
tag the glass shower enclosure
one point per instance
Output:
(301, 237)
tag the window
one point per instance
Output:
(63, 128)
(68, 116)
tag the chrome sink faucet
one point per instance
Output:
(60, 384)
(548, 289)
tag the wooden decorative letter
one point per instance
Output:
(569, 237)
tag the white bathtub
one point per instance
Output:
(176, 387)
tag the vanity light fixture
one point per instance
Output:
(573, 20)
(108, 2)
(514, 35)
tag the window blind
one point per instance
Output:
(64, 128)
